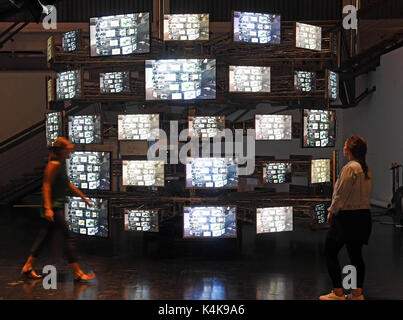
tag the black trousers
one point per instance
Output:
(51, 228)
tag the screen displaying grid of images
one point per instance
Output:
(68, 85)
(141, 220)
(89, 170)
(90, 221)
(120, 34)
(319, 129)
(320, 213)
(180, 79)
(275, 219)
(308, 36)
(114, 82)
(273, 127)
(333, 82)
(305, 81)
(144, 173)
(277, 172)
(257, 27)
(206, 127)
(54, 127)
(71, 41)
(209, 222)
(320, 171)
(183, 27)
(249, 79)
(85, 129)
(138, 126)
(211, 173)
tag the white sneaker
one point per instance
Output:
(332, 296)
(353, 297)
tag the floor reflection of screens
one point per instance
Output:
(85, 129)
(180, 79)
(257, 27)
(305, 81)
(71, 41)
(145, 173)
(320, 171)
(206, 127)
(141, 220)
(138, 126)
(89, 170)
(333, 85)
(183, 27)
(277, 172)
(273, 127)
(68, 85)
(211, 173)
(114, 82)
(320, 213)
(88, 221)
(209, 222)
(249, 79)
(275, 219)
(319, 129)
(54, 127)
(120, 35)
(308, 36)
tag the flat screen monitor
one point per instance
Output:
(211, 173)
(319, 128)
(185, 27)
(114, 82)
(120, 35)
(89, 169)
(249, 79)
(206, 127)
(320, 213)
(54, 127)
(180, 79)
(209, 222)
(320, 171)
(143, 173)
(333, 85)
(273, 127)
(85, 129)
(85, 220)
(260, 28)
(141, 220)
(274, 219)
(68, 85)
(71, 41)
(138, 126)
(305, 81)
(277, 172)
(308, 36)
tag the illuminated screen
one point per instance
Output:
(120, 35)
(209, 222)
(184, 27)
(141, 220)
(85, 129)
(71, 41)
(211, 173)
(114, 82)
(275, 219)
(138, 126)
(180, 79)
(320, 171)
(89, 170)
(82, 219)
(320, 213)
(206, 127)
(277, 172)
(308, 36)
(68, 85)
(333, 85)
(319, 128)
(54, 127)
(143, 173)
(305, 81)
(273, 127)
(249, 79)
(257, 27)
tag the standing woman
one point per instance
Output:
(55, 187)
(350, 218)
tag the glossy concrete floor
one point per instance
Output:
(136, 266)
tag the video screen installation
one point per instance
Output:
(54, 127)
(71, 41)
(85, 129)
(68, 85)
(249, 79)
(333, 82)
(89, 170)
(319, 129)
(320, 213)
(114, 82)
(144, 173)
(211, 173)
(141, 220)
(138, 126)
(277, 172)
(209, 222)
(120, 35)
(261, 28)
(206, 127)
(273, 127)
(305, 81)
(183, 27)
(275, 219)
(320, 171)
(308, 36)
(180, 79)
(90, 221)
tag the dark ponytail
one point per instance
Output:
(358, 148)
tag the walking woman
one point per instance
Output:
(55, 187)
(350, 218)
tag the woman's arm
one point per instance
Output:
(51, 171)
(342, 190)
(79, 193)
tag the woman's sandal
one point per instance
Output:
(30, 274)
(80, 279)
